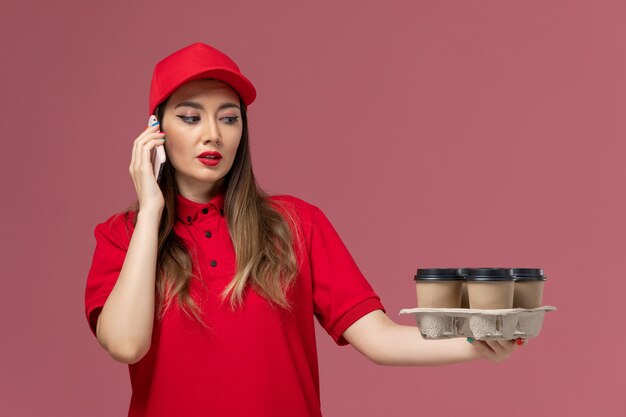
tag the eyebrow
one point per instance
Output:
(199, 106)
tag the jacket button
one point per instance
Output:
(208, 234)
(205, 210)
(189, 219)
(213, 263)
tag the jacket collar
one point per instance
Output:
(187, 211)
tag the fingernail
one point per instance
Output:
(520, 341)
(470, 339)
(155, 123)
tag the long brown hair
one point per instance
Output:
(263, 238)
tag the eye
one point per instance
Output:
(232, 119)
(186, 119)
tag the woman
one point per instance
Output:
(207, 286)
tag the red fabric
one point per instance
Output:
(195, 61)
(256, 361)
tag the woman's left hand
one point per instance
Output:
(496, 350)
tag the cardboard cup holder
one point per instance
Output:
(505, 324)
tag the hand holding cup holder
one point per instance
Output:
(500, 303)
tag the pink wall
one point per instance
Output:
(453, 133)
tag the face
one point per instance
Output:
(202, 116)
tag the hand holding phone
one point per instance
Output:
(158, 154)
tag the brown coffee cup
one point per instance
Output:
(490, 288)
(439, 287)
(464, 294)
(529, 284)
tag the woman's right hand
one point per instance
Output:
(142, 171)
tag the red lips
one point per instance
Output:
(210, 153)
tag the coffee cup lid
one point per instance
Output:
(438, 274)
(528, 274)
(489, 274)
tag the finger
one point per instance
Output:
(137, 154)
(484, 349)
(148, 134)
(493, 345)
(502, 347)
(151, 139)
(138, 140)
(147, 148)
(133, 157)
(135, 162)
(509, 345)
(150, 131)
(147, 131)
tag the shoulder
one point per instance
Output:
(304, 210)
(300, 214)
(117, 228)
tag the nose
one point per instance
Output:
(210, 131)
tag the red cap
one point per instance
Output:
(192, 62)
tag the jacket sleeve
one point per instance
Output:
(341, 294)
(112, 241)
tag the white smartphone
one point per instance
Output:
(158, 153)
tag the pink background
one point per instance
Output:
(432, 134)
